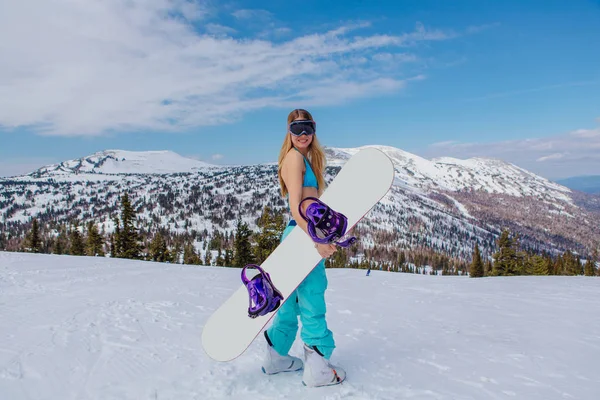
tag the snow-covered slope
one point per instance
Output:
(101, 329)
(479, 174)
(123, 162)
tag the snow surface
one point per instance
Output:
(124, 162)
(100, 328)
(452, 174)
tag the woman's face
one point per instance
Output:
(301, 142)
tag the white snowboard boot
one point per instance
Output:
(318, 371)
(275, 363)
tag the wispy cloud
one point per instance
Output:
(555, 156)
(216, 157)
(72, 67)
(218, 29)
(253, 14)
(559, 156)
(395, 57)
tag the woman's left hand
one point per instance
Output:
(325, 250)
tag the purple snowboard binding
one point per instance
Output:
(325, 225)
(264, 297)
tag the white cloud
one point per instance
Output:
(217, 29)
(555, 156)
(80, 67)
(443, 144)
(337, 91)
(559, 156)
(252, 14)
(282, 31)
(586, 133)
(216, 157)
(395, 57)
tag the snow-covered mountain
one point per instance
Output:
(99, 328)
(479, 174)
(445, 204)
(123, 162)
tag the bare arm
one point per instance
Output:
(291, 172)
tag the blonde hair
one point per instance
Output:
(316, 155)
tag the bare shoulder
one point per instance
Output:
(293, 161)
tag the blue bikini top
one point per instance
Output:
(310, 180)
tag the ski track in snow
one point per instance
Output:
(98, 328)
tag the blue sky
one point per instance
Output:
(516, 80)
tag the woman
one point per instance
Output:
(301, 169)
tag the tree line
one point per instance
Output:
(510, 260)
(244, 246)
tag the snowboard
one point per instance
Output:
(361, 183)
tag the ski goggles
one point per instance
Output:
(303, 127)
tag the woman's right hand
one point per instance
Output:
(325, 250)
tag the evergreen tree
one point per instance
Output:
(477, 264)
(2, 241)
(590, 265)
(115, 240)
(208, 258)
(112, 245)
(77, 247)
(579, 266)
(541, 265)
(228, 260)
(95, 243)
(590, 268)
(61, 243)
(189, 255)
(35, 242)
(271, 226)
(488, 268)
(570, 266)
(559, 266)
(216, 242)
(339, 259)
(242, 246)
(158, 250)
(59, 246)
(521, 264)
(128, 243)
(220, 261)
(526, 264)
(48, 245)
(505, 259)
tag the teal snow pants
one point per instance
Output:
(308, 302)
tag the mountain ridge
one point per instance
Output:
(116, 161)
(446, 204)
(409, 165)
